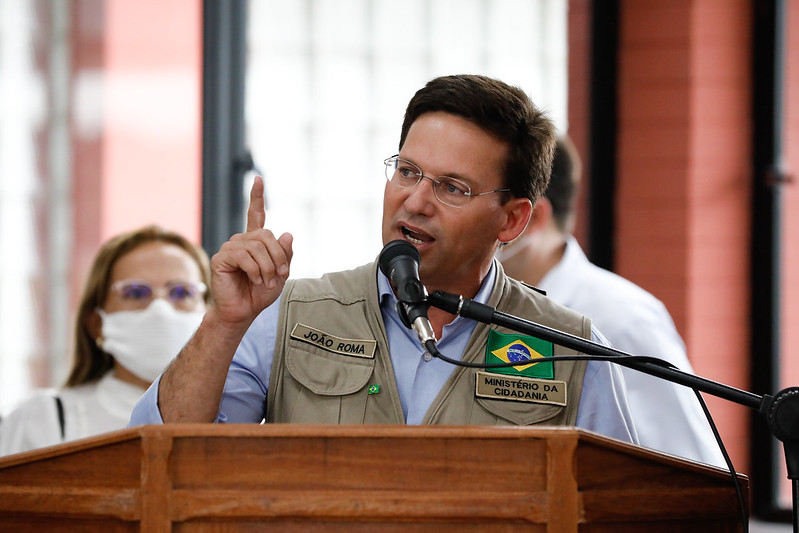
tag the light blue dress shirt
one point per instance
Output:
(603, 403)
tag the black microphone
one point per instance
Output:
(399, 261)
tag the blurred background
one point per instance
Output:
(119, 113)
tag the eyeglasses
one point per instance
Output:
(183, 295)
(450, 191)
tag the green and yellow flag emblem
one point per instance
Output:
(528, 351)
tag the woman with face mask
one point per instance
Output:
(146, 294)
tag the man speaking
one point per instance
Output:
(474, 156)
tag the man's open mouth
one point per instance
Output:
(414, 237)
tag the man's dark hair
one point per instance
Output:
(563, 184)
(505, 112)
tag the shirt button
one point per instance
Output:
(427, 356)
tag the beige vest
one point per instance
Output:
(331, 348)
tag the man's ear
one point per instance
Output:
(94, 324)
(518, 212)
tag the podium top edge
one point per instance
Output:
(265, 431)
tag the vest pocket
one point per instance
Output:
(326, 373)
(520, 413)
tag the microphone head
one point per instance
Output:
(399, 262)
(395, 249)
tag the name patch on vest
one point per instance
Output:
(355, 347)
(519, 389)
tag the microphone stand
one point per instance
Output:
(781, 411)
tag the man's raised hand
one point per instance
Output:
(249, 271)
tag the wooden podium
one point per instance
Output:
(359, 478)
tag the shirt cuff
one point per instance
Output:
(146, 410)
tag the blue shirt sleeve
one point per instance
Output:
(146, 410)
(244, 396)
(603, 403)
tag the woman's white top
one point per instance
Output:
(90, 409)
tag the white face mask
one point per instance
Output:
(145, 341)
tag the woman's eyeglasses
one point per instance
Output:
(136, 294)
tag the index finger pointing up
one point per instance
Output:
(256, 214)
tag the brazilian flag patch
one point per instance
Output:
(504, 348)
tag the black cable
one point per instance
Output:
(736, 483)
(60, 408)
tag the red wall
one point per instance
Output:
(790, 280)
(683, 183)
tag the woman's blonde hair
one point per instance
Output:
(89, 361)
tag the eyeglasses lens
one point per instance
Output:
(138, 294)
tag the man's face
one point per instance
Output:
(456, 243)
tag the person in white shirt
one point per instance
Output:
(145, 295)
(668, 417)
